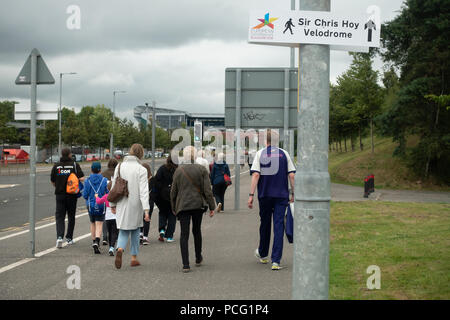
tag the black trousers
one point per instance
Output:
(185, 220)
(65, 204)
(113, 233)
(146, 228)
(219, 193)
(167, 220)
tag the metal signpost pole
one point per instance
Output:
(59, 112)
(59, 115)
(237, 156)
(153, 135)
(291, 132)
(111, 140)
(286, 110)
(312, 180)
(33, 86)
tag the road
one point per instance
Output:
(230, 270)
(14, 197)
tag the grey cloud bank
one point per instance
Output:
(174, 52)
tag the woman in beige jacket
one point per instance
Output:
(129, 209)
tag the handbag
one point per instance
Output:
(227, 179)
(290, 223)
(204, 205)
(119, 190)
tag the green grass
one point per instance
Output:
(390, 172)
(410, 242)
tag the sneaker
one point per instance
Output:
(198, 263)
(105, 242)
(263, 260)
(276, 266)
(186, 269)
(69, 241)
(161, 235)
(145, 241)
(170, 240)
(111, 251)
(96, 249)
(59, 243)
(219, 207)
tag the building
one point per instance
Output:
(173, 119)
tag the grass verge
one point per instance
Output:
(409, 242)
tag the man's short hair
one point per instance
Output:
(65, 152)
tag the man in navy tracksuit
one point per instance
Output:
(272, 169)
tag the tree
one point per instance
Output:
(7, 134)
(416, 43)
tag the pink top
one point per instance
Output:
(102, 200)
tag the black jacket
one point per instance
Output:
(163, 183)
(60, 173)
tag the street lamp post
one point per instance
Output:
(59, 111)
(111, 140)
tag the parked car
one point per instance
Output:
(166, 155)
(53, 159)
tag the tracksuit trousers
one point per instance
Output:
(268, 208)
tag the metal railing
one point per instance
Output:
(14, 167)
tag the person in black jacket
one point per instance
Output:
(65, 203)
(161, 195)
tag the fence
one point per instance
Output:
(14, 167)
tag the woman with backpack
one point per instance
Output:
(220, 180)
(162, 187)
(95, 187)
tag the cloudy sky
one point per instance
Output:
(173, 52)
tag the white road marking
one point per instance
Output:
(39, 254)
(4, 186)
(40, 227)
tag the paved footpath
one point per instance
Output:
(230, 270)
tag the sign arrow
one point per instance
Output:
(371, 26)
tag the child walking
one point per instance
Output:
(110, 222)
(95, 187)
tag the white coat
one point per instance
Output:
(130, 210)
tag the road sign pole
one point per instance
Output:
(292, 65)
(59, 115)
(237, 156)
(312, 180)
(286, 109)
(153, 135)
(33, 86)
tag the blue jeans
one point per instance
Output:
(269, 207)
(134, 242)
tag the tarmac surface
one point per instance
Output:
(229, 271)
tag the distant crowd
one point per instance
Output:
(121, 199)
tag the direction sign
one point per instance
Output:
(291, 28)
(43, 112)
(43, 75)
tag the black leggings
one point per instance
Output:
(185, 219)
(167, 220)
(113, 233)
(219, 193)
(146, 228)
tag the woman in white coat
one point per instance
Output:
(129, 209)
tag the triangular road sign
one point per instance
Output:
(43, 73)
